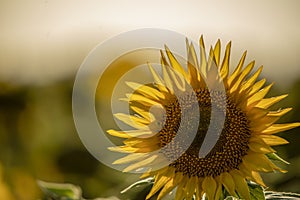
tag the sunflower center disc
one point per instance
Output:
(231, 146)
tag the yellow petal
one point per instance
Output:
(193, 67)
(257, 139)
(256, 113)
(147, 174)
(199, 191)
(275, 128)
(228, 183)
(146, 90)
(145, 114)
(168, 80)
(267, 120)
(142, 99)
(190, 187)
(177, 78)
(279, 112)
(225, 64)
(157, 79)
(257, 86)
(273, 140)
(259, 95)
(174, 63)
(212, 76)
(257, 178)
(194, 77)
(136, 122)
(192, 56)
(158, 185)
(202, 57)
(163, 60)
(252, 79)
(134, 133)
(161, 180)
(217, 50)
(219, 190)
(172, 183)
(180, 192)
(152, 142)
(260, 148)
(150, 172)
(266, 103)
(211, 60)
(237, 70)
(124, 149)
(263, 123)
(257, 162)
(209, 186)
(118, 134)
(131, 157)
(237, 83)
(128, 149)
(261, 163)
(168, 187)
(241, 184)
(140, 164)
(250, 174)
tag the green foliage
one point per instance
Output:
(256, 191)
(59, 191)
(38, 139)
(274, 156)
(139, 189)
(64, 191)
(281, 195)
(147, 181)
(231, 198)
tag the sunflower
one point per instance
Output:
(230, 110)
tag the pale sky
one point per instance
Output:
(48, 40)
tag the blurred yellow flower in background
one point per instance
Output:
(244, 144)
(4, 191)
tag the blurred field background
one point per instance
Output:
(43, 43)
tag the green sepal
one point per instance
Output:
(64, 191)
(256, 191)
(60, 191)
(271, 195)
(274, 156)
(147, 181)
(231, 198)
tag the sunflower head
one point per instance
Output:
(201, 129)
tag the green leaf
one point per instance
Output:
(138, 184)
(271, 195)
(64, 191)
(274, 156)
(108, 198)
(60, 191)
(256, 191)
(231, 198)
